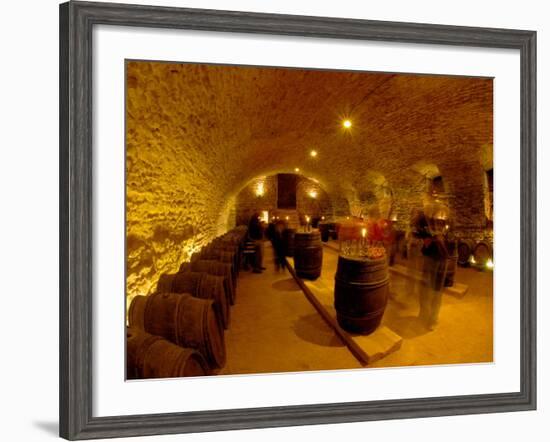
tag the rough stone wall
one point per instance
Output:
(249, 201)
(197, 134)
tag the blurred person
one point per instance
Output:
(434, 271)
(278, 246)
(255, 234)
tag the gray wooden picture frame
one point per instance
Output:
(77, 20)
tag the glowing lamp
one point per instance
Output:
(260, 189)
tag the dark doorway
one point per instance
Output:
(286, 191)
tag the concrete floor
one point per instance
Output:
(465, 330)
(275, 329)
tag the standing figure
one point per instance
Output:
(278, 246)
(434, 271)
(255, 234)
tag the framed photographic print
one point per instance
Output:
(271, 220)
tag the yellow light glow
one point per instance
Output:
(313, 193)
(346, 124)
(296, 169)
(490, 264)
(313, 153)
(260, 189)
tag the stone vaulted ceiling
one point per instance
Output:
(196, 134)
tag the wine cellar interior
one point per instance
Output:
(286, 220)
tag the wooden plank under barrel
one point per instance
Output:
(308, 254)
(149, 356)
(361, 293)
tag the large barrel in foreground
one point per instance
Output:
(308, 254)
(183, 320)
(150, 356)
(360, 293)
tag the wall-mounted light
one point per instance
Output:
(260, 188)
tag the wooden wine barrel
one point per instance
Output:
(324, 230)
(288, 241)
(483, 252)
(183, 320)
(185, 282)
(149, 356)
(223, 252)
(360, 293)
(200, 285)
(465, 250)
(308, 254)
(211, 287)
(218, 269)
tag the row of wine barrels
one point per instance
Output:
(360, 293)
(288, 241)
(464, 249)
(482, 251)
(149, 356)
(216, 268)
(200, 285)
(183, 320)
(308, 254)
